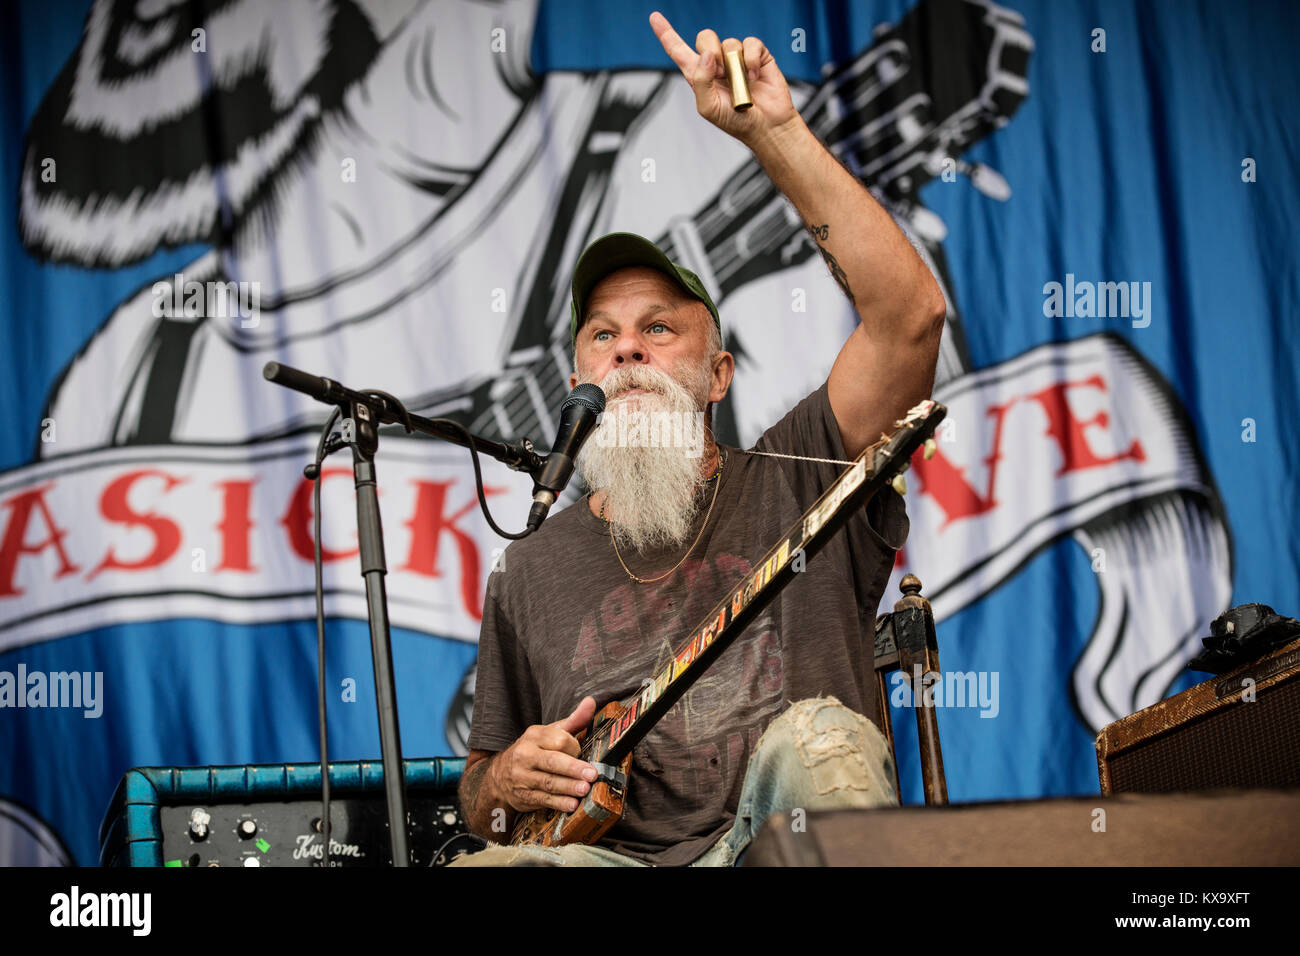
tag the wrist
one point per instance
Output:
(774, 143)
(486, 818)
(491, 793)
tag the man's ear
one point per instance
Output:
(724, 368)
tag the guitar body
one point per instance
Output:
(599, 810)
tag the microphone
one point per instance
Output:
(577, 419)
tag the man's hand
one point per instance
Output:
(540, 770)
(773, 110)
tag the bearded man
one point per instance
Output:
(599, 599)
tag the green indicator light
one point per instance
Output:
(263, 845)
(173, 863)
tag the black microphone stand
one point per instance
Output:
(363, 413)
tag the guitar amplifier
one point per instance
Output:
(1240, 729)
(1211, 828)
(269, 815)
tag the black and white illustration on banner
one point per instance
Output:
(397, 208)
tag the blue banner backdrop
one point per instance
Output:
(392, 193)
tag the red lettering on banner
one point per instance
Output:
(427, 525)
(236, 525)
(298, 520)
(1067, 431)
(947, 484)
(14, 543)
(114, 505)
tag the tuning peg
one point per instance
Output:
(899, 484)
(930, 448)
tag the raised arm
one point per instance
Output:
(887, 365)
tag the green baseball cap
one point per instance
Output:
(618, 250)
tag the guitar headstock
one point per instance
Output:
(891, 454)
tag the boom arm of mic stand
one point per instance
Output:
(517, 455)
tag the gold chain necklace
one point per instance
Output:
(722, 457)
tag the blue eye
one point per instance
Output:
(658, 325)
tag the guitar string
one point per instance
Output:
(777, 454)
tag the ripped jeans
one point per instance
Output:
(818, 755)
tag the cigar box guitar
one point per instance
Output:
(620, 725)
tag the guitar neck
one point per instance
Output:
(611, 741)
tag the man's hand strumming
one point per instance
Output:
(541, 769)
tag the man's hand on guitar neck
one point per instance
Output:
(539, 771)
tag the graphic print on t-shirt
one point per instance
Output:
(703, 743)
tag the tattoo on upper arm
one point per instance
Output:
(821, 233)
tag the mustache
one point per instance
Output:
(651, 380)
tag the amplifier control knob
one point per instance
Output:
(199, 820)
(247, 829)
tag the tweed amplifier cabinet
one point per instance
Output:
(1212, 828)
(269, 815)
(1240, 729)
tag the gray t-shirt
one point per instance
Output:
(562, 620)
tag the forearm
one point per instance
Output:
(480, 801)
(869, 257)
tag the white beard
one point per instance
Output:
(651, 487)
